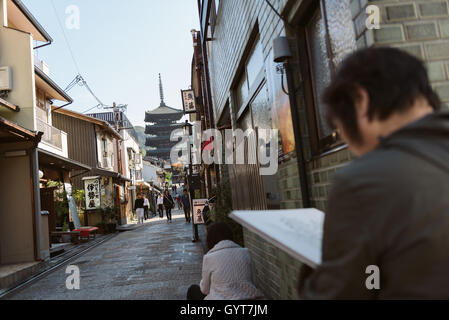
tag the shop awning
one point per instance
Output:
(107, 173)
(143, 184)
(54, 161)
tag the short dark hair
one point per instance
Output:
(217, 232)
(392, 78)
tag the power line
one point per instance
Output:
(97, 106)
(65, 37)
(79, 78)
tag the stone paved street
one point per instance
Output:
(156, 261)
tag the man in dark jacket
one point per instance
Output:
(168, 204)
(386, 231)
(185, 203)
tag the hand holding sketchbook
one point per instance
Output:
(298, 231)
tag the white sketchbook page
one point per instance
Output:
(298, 231)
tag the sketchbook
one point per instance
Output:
(299, 232)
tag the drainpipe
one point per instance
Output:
(43, 45)
(304, 181)
(67, 104)
(37, 204)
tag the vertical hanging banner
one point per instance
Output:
(198, 207)
(188, 101)
(92, 189)
(72, 205)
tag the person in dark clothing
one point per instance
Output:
(389, 208)
(139, 208)
(168, 204)
(185, 203)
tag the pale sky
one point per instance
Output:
(120, 49)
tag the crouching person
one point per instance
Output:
(227, 272)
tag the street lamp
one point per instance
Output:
(187, 128)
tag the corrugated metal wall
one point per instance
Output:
(81, 142)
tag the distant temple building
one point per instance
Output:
(160, 123)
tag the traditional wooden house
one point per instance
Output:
(95, 143)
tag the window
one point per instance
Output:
(320, 67)
(251, 77)
(326, 39)
(41, 104)
(105, 147)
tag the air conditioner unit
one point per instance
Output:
(5, 79)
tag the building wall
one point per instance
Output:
(235, 22)
(81, 141)
(274, 269)
(16, 210)
(149, 172)
(81, 138)
(419, 27)
(16, 52)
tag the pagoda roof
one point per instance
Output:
(162, 129)
(164, 109)
(163, 112)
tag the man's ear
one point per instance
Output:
(361, 104)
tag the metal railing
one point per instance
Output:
(52, 135)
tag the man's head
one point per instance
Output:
(185, 191)
(375, 92)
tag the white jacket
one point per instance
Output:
(227, 273)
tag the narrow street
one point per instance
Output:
(157, 261)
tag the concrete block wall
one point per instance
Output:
(276, 272)
(420, 27)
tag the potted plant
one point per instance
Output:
(109, 219)
(223, 207)
(102, 227)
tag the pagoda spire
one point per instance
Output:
(161, 91)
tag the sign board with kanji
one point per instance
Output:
(93, 195)
(198, 207)
(188, 101)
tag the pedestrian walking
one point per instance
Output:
(139, 208)
(168, 204)
(185, 203)
(160, 205)
(227, 269)
(386, 209)
(146, 207)
(178, 200)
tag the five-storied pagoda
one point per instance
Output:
(160, 123)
